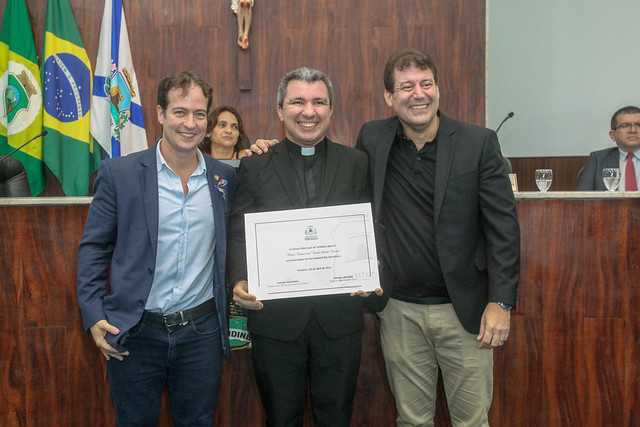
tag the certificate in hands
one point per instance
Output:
(314, 251)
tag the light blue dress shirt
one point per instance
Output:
(186, 240)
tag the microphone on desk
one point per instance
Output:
(41, 134)
(505, 119)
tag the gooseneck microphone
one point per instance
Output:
(505, 119)
(41, 134)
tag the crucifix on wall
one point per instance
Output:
(243, 9)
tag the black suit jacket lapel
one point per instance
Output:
(288, 181)
(444, 157)
(331, 165)
(382, 148)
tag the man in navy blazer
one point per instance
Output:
(151, 267)
(626, 134)
(448, 236)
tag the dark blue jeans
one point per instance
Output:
(188, 359)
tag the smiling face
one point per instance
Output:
(306, 112)
(184, 121)
(226, 130)
(625, 136)
(415, 99)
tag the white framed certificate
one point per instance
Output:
(313, 251)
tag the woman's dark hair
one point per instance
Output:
(212, 121)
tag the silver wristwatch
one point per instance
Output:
(505, 307)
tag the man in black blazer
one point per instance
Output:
(626, 134)
(450, 241)
(309, 340)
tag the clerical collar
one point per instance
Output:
(305, 151)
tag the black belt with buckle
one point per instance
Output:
(181, 317)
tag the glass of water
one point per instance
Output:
(611, 178)
(543, 179)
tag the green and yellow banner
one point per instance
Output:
(21, 111)
(69, 149)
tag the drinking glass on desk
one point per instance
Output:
(611, 178)
(543, 179)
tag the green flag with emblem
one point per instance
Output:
(21, 111)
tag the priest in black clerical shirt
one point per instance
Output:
(308, 344)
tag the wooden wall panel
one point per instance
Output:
(47, 386)
(39, 318)
(632, 329)
(374, 403)
(518, 381)
(12, 377)
(242, 388)
(572, 357)
(88, 392)
(563, 311)
(604, 345)
(605, 264)
(350, 41)
(530, 296)
(565, 171)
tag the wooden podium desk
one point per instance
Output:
(573, 356)
(572, 359)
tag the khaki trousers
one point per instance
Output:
(416, 340)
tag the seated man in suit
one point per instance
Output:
(151, 266)
(625, 132)
(310, 344)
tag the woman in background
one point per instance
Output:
(225, 133)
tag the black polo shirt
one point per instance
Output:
(408, 218)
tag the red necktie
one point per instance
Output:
(630, 183)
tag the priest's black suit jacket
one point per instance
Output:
(476, 224)
(268, 183)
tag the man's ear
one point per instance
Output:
(388, 98)
(160, 113)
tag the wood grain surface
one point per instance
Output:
(350, 41)
(572, 358)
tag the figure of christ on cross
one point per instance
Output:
(242, 9)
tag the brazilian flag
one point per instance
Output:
(21, 111)
(69, 150)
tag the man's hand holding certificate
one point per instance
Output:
(314, 251)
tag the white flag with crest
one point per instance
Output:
(116, 108)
